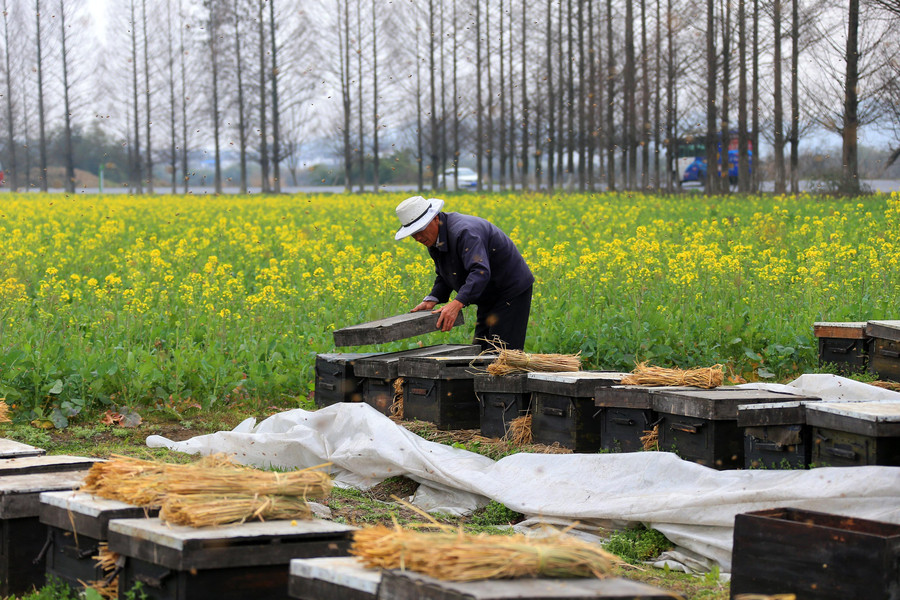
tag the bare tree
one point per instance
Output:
(12, 166)
(276, 109)
(780, 183)
(610, 100)
(148, 104)
(712, 154)
(849, 152)
(743, 137)
(42, 117)
(525, 142)
(795, 97)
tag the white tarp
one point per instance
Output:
(694, 506)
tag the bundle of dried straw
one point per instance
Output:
(204, 510)
(4, 412)
(108, 588)
(516, 361)
(456, 556)
(650, 439)
(519, 433)
(705, 377)
(397, 403)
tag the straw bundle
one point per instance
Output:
(456, 556)
(205, 510)
(304, 483)
(108, 588)
(650, 439)
(397, 404)
(519, 433)
(4, 412)
(705, 377)
(516, 361)
(887, 385)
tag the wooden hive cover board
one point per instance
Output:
(574, 384)
(772, 413)
(333, 578)
(407, 585)
(341, 358)
(20, 494)
(14, 449)
(878, 418)
(888, 330)
(444, 367)
(514, 383)
(239, 545)
(386, 365)
(855, 330)
(391, 329)
(716, 404)
(629, 396)
(86, 514)
(27, 465)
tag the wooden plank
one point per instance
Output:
(406, 585)
(629, 396)
(14, 449)
(391, 329)
(715, 404)
(574, 384)
(888, 330)
(855, 330)
(444, 367)
(28, 465)
(513, 383)
(20, 494)
(333, 578)
(386, 366)
(776, 413)
(879, 418)
(84, 514)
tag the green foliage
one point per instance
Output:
(136, 593)
(54, 589)
(637, 545)
(495, 514)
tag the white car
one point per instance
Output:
(468, 179)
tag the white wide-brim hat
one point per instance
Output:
(415, 214)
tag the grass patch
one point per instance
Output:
(637, 545)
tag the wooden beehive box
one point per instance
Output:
(407, 585)
(23, 538)
(77, 523)
(336, 380)
(13, 449)
(563, 407)
(29, 465)
(626, 414)
(501, 399)
(380, 371)
(855, 433)
(843, 345)
(333, 578)
(701, 425)
(250, 560)
(884, 352)
(816, 556)
(390, 329)
(441, 389)
(776, 435)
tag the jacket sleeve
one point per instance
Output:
(477, 264)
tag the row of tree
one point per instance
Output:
(576, 93)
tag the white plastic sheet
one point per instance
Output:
(694, 506)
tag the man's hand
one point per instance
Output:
(426, 305)
(448, 316)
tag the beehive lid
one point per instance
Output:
(20, 494)
(391, 329)
(876, 418)
(386, 366)
(574, 384)
(344, 572)
(14, 449)
(888, 330)
(86, 514)
(240, 545)
(772, 413)
(27, 465)
(717, 404)
(514, 383)
(855, 330)
(444, 367)
(342, 358)
(629, 396)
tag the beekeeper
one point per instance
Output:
(478, 261)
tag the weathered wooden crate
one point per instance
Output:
(23, 538)
(407, 585)
(701, 425)
(501, 400)
(29, 465)
(336, 380)
(77, 523)
(626, 415)
(855, 433)
(564, 409)
(816, 556)
(13, 449)
(381, 370)
(884, 352)
(390, 329)
(441, 389)
(333, 578)
(249, 560)
(843, 345)
(776, 435)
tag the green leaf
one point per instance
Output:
(57, 388)
(765, 373)
(58, 419)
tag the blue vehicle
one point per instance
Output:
(696, 170)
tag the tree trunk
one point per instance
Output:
(795, 97)
(136, 166)
(712, 154)
(242, 127)
(361, 143)
(657, 101)
(610, 101)
(263, 116)
(525, 166)
(645, 91)
(560, 124)
(376, 162)
(582, 101)
(630, 96)
(276, 117)
(671, 136)
(551, 100)
(592, 97)
(502, 97)
(184, 96)
(780, 186)
(743, 139)
(12, 171)
(147, 96)
(754, 103)
(420, 149)
(67, 129)
(456, 114)
(724, 156)
(570, 138)
(214, 59)
(344, 60)
(489, 149)
(173, 125)
(849, 156)
(479, 107)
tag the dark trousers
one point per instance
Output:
(506, 319)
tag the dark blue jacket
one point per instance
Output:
(480, 262)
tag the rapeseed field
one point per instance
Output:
(141, 301)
